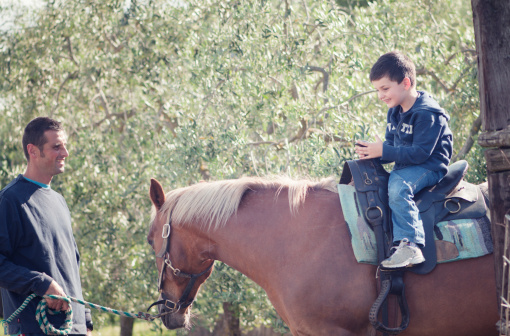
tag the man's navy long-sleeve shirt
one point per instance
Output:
(37, 246)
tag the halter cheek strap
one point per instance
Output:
(166, 241)
(164, 253)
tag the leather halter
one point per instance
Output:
(184, 301)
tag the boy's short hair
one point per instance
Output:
(396, 66)
(34, 132)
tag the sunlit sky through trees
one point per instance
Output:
(13, 9)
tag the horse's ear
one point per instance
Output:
(156, 193)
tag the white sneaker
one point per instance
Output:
(406, 255)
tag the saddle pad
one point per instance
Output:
(464, 238)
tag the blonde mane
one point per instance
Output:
(213, 203)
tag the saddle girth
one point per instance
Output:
(371, 182)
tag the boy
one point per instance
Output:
(418, 140)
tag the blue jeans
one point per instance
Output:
(402, 186)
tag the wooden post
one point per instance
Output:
(492, 36)
(504, 312)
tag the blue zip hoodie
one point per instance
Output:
(418, 137)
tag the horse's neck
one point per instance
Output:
(292, 256)
(244, 247)
(251, 241)
(266, 243)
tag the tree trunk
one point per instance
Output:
(264, 331)
(231, 319)
(222, 328)
(492, 35)
(228, 324)
(126, 326)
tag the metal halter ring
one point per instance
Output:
(166, 231)
(455, 202)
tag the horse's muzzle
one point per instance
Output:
(175, 320)
(172, 314)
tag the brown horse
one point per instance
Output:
(291, 238)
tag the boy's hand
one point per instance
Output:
(369, 150)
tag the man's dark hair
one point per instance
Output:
(396, 66)
(34, 132)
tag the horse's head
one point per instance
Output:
(181, 262)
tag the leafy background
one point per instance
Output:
(185, 91)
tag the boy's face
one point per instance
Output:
(391, 92)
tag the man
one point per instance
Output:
(38, 253)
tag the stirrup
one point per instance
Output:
(391, 285)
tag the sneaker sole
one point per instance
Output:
(413, 262)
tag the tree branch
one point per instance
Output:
(258, 143)
(324, 81)
(116, 48)
(70, 76)
(301, 132)
(475, 128)
(105, 104)
(275, 80)
(70, 50)
(462, 75)
(432, 74)
(210, 96)
(327, 108)
(204, 171)
(169, 122)
(116, 115)
(306, 10)
(304, 131)
(463, 51)
(287, 14)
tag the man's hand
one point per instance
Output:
(54, 304)
(369, 150)
(89, 332)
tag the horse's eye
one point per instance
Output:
(151, 242)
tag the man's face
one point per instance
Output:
(51, 160)
(391, 92)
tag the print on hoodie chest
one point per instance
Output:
(406, 128)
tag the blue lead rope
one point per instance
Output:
(48, 329)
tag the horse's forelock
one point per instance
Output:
(213, 203)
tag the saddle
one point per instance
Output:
(451, 198)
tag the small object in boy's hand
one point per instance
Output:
(360, 144)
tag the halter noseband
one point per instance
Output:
(164, 253)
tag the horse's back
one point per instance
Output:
(457, 298)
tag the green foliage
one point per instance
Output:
(212, 89)
(245, 297)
